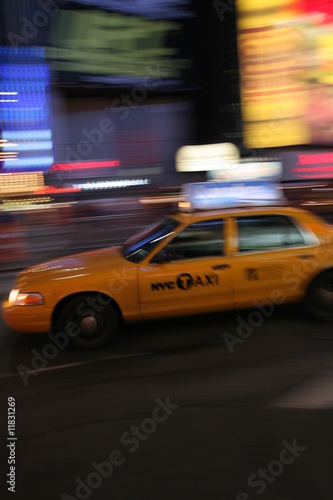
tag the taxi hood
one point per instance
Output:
(75, 266)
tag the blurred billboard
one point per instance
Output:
(123, 44)
(286, 69)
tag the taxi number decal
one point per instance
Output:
(186, 282)
(252, 274)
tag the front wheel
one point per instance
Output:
(90, 323)
(320, 296)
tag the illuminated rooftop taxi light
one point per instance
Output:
(184, 206)
(207, 157)
(219, 195)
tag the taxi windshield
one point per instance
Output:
(141, 244)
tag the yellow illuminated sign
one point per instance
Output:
(21, 182)
(286, 70)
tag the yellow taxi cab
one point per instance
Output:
(187, 263)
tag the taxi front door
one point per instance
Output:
(197, 279)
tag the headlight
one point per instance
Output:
(18, 298)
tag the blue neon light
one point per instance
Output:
(23, 70)
(163, 9)
(41, 161)
(27, 135)
(30, 146)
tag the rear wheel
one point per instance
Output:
(320, 296)
(90, 323)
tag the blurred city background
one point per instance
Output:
(98, 101)
(97, 97)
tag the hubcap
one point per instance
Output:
(88, 324)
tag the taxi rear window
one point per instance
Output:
(267, 232)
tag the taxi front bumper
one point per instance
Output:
(26, 319)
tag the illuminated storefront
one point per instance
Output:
(286, 67)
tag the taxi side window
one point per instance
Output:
(201, 239)
(268, 232)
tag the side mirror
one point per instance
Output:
(162, 257)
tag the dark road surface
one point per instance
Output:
(168, 412)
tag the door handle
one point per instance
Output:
(221, 267)
(305, 256)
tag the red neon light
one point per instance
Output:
(314, 169)
(310, 6)
(314, 159)
(316, 176)
(313, 172)
(80, 165)
(54, 190)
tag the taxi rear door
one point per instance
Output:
(274, 258)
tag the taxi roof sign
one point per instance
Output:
(218, 195)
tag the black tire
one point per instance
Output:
(319, 299)
(89, 326)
